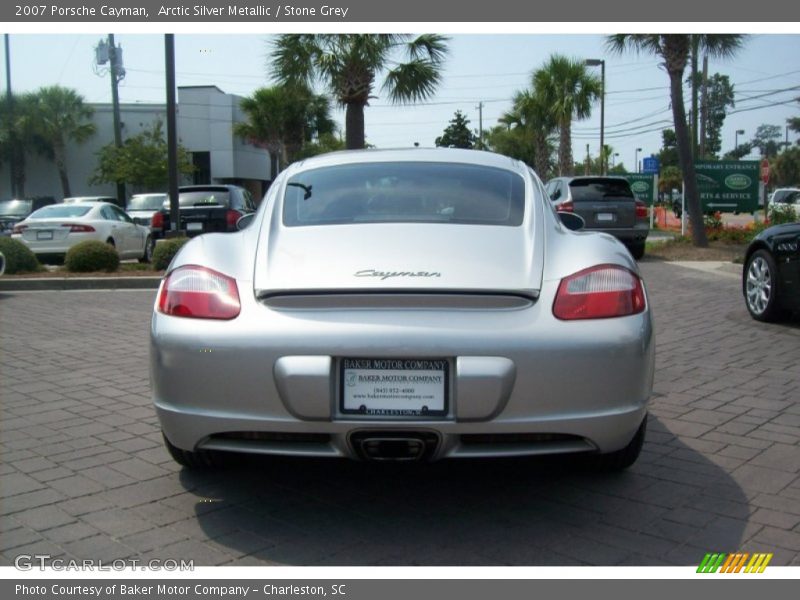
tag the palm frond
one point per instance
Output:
(412, 81)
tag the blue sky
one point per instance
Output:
(480, 68)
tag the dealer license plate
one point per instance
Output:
(394, 387)
(605, 217)
(194, 227)
(44, 235)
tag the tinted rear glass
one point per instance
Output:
(154, 202)
(786, 197)
(220, 197)
(15, 208)
(424, 192)
(58, 211)
(599, 189)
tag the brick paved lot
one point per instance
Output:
(84, 475)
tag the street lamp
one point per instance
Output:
(614, 159)
(738, 133)
(598, 62)
(636, 159)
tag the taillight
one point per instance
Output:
(599, 293)
(567, 206)
(641, 210)
(199, 293)
(231, 217)
(76, 228)
(157, 220)
(19, 229)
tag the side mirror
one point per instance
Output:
(572, 221)
(245, 221)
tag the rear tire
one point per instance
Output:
(621, 459)
(201, 459)
(637, 250)
(149, 246)
(762, 287)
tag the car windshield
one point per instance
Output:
(149, 202)
(786, 196)
(15, 208)
(599, 189)
(58, 211)
(210, 197)
(385, 192)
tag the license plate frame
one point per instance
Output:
(604, 217)
(394, 387)
(44, 235)
(194, 227)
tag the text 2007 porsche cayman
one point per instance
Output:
(402, 305)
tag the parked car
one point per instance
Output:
(205, 209)
(783, 198)
(771, 276)
(606, 204)
(77, 199)
(403, 305)
(2, 263)
(14, 211)
(142, 207)
(54, 229)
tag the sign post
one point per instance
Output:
(765, 179)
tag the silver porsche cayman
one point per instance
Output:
(403, 305)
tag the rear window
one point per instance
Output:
(15, 208)
(424, 192)
(599, 189)
(786, 197)
(58, 211)
(152, 202)
(221, 197)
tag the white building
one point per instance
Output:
(205, 118)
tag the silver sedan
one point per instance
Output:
(404, 305)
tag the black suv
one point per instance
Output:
(206, 209)
(606, 204)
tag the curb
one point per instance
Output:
(41, 284)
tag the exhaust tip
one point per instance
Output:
(394, 446)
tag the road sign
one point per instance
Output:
(765, 170)
(728, 185)
(643, 186)
(650, 164)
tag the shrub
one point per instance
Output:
(165, 251)
(19, 258)
(91, 255)
(782, 214)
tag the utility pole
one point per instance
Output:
(588, 160)
(117, 74)
(12, 153)
(704, 108)
(172, 136)
(480, 125)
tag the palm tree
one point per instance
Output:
(17, 136)
(532, 113)
(674, 49)
(58, 114)
(568, 89)
(350, 64)
(282, 119)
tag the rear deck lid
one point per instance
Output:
(604, 202)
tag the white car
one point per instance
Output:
(783, 198)
(56, 228)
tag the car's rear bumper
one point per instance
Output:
(525, 381)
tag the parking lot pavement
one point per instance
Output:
(84, 475)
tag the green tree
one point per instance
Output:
(283, 119)
(513, 142)
(674, 50)
(141, 161)
(350, 64)
(668, 155)
(568, 89)
(794, 122)
(720, 96)
(767, 139)
(669, 179)
(327, 142)
(786, 167)
(532, 118)
(57, 115)
(457, 134)
(16, 136)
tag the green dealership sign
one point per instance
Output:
(728, 185)
(643, 186)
